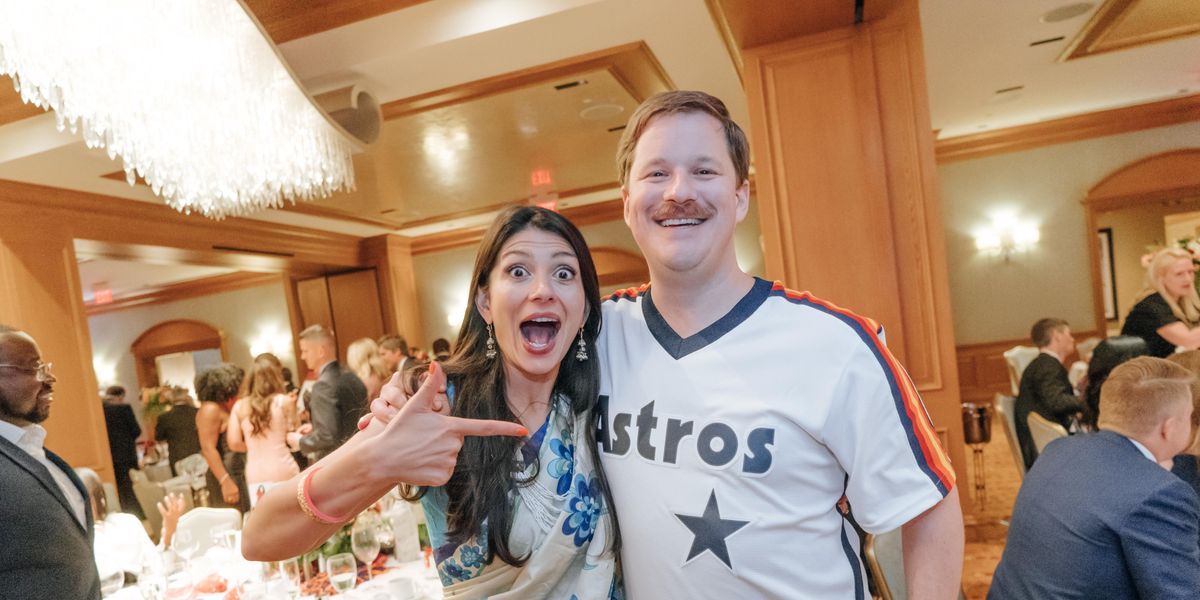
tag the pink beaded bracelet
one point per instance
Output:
(306, 503)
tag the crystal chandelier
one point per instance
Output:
(191, 95)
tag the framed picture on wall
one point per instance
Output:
(1108, 284)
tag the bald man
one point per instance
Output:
(45, 518)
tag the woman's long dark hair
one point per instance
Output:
(486, 471)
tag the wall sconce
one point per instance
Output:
(1005, 235)
(271, 338)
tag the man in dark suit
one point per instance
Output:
(1098, 516)
(45, 518)
(338, 399)
(1045, 388)
(123, 432)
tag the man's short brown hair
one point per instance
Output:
(1044, 329)
(675, 102)
(1139, 394)
(394, 343)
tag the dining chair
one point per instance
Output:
(1017, 358)
(1004, 405)
(1043, 431)
(148, 494)
(884, 554)
(201, 522)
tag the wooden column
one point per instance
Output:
(391, 255)
(846, 178)
(40, 294)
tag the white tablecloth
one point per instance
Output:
(387, 586)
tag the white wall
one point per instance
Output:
(444, 277)
(993, 300)
(249, 317)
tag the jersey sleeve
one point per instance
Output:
(881, 434)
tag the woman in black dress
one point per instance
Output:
(1167, 313)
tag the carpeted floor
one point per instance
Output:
(986, 531)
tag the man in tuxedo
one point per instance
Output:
(1045, 388)
(1098, 516)
(337, 400)
(123, 432)
(45, 518)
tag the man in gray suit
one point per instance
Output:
(45, 517)
(338, 398)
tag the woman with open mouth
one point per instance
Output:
(516, 516)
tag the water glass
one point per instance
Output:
(342, 571)
(185, 544)
(364, 539)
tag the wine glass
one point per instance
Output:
(290, 569)
(343, 571)
(364, 539)
(185, 544)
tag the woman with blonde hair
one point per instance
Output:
(1167, 313)
(259, 424)
(363, 357)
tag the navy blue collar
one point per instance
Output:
(679, 347)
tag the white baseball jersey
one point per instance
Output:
(728, 451)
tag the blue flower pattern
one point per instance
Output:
(585, 506)
(562, 466)
(471, 556)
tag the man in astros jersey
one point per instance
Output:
(736, 413)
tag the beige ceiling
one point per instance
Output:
(447, 164)
(472, 156)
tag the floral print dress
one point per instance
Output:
(560, 521)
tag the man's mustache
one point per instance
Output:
(686, 210)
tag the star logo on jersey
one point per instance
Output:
(710, 530)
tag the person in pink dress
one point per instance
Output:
(259, 423)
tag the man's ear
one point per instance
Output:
(742, 195)
(483, 304)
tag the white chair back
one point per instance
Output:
(1005, 407)
(1017, 358)
(203, 521)
(1043, 431)
(159, 471)
(182, 486)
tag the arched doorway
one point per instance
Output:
(171, 338)
(1162, 183)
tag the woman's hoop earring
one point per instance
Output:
(491, 343)
(581, 354)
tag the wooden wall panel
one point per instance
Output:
(848, 193)
(823, 191)
(313, 297)
(40, 294)
(391, 255)
(354, 301)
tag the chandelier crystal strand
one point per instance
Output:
(190, 95)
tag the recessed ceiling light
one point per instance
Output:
(605, 110)
(1066, 11)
